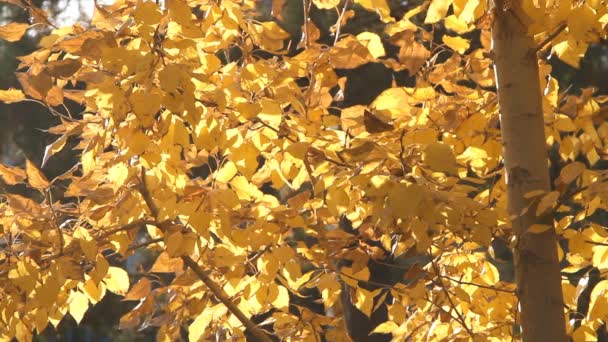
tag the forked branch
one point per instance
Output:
(260, 335)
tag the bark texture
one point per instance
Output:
(525, 156)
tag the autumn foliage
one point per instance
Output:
(220, 143)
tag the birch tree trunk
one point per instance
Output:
(521, 118)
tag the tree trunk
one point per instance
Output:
(521, 118)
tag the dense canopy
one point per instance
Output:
(274, 203)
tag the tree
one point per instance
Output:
(222, 146)
(525, 158)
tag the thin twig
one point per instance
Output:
(128, 226)
(144, 244)
(447, 294)
(478, 285)
(550, 37)
(49, 200)
(306, 36)
(339, 21)
(259, 334)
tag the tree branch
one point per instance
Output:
(219, 293)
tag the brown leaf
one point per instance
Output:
(313, 34)
(277, 9)
(139, 290)
(35, 86)
(13, 31)
(54, 97)
(413, 55)
(35, 177)
(12, 175)
(74, 95)
(24, 206)
(14, 2)
(374, 125)
(349, 53)
(63, 68)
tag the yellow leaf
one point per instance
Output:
(298, 150)
(393, 100)
(349, 53)
(269, 35)
(581, 22)
(166, 264)
(548, 202)
(563, 123)
(93, 292)
(379, 6)
(584, 334)
(490, 273)
(13, 31)
(539, 228)
(404, 200)
(78, 305)
(200, 221)
(457, 25)
(118, 175)
(337, 200)
(385, 328)
(437, 11)
(11, 95)
(571, 51)
(117, 280)
(279, 297)
(35, 177)
(227, 172)
(245, 157)
(139, 290)
(420, 231)
(440, 157)
(457, 44)
(197, 329)
(53, 148)
(330, 289)
(326, 4)
(364, 300)
(12, 175)
(372, 42)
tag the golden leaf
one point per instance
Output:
(440, 157)
(35, 177)
(547, 203)
(117, 280)
(140, 290)
(326, 4)
(13, 31)
(78, 305)
(457, 44)
(53, 148)
(404, 200)
(11, 95)
(539, 228)
(385, 328)
(437, 11)
(165, 264)
(373, 43)
(378, 6)
(200, 324)
(12, 175)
